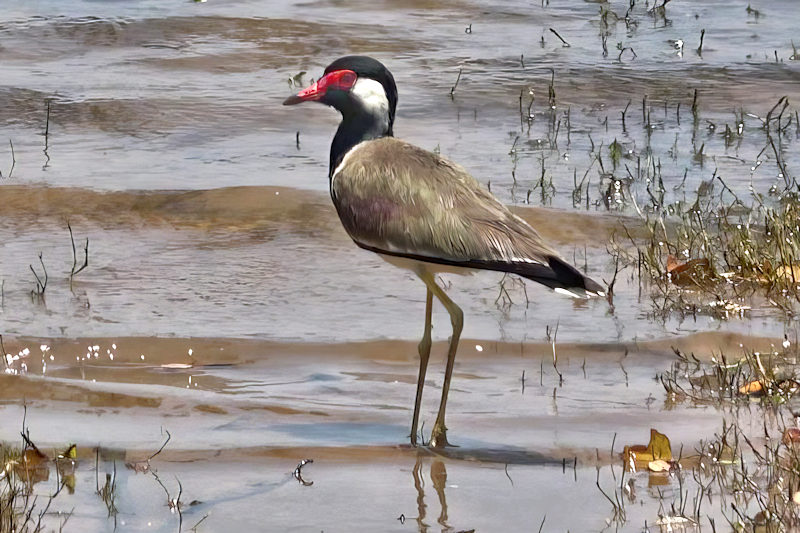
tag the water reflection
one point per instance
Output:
(437, 473)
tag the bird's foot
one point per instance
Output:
(439, 437)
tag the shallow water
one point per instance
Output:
(242, 414)
(205, 205)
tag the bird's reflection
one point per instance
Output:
(438, 476)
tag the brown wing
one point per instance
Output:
(395, 197)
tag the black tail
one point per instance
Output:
(557, 275)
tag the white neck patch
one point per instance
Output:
(372, 97)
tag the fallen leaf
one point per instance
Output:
(673, 521)
(33, 458)
(636, 456)
(672, 263)
(659, 446)
(791, 435)
(639, 456)
(69, 453)
(753, 387)
(726, 455)
(33, 466)
(691, 272)
(659, 465)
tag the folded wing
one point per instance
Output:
(397, 199)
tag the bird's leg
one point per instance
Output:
(439, 433)
(424, 354)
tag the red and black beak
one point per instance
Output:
(341, 80)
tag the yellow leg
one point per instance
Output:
(439, 433)
(424, 354)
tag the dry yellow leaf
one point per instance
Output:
(659, 446)
(69, 453)
(753, 387)
(640, 456)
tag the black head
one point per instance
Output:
(367, 67)
(336, 87)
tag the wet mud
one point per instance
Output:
(224, 304)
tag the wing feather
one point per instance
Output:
(395, 197)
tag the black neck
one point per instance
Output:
(355, 128)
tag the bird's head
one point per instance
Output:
(355, 86)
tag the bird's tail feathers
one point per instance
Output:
(563, 278)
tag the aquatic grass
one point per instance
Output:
(37, 294)
(13, 161)
(455, 85)
(108, 494)
(717, 254)
(22, 511)
(756, 477)
(75, 270)
(748, 473)
(770, 378)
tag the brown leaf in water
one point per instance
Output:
(33, 466)
(32, 474)
(33, 458)
(692, 272)
(791, 436)
(140, 467)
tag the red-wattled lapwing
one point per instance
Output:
(420, 211)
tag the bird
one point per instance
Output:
(420, 211)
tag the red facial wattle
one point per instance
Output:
(341, 80)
